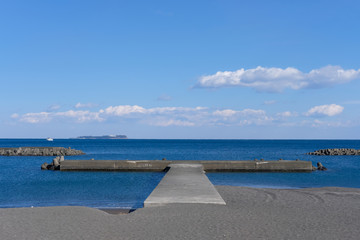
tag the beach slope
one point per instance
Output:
(250, 213)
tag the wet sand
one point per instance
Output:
(250, 213)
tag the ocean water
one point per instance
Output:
(23, 184)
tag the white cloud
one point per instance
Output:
(166, 116)
(40, 117)
(170, 110)
(325, 110)
(81, 116)
(158, 116)
(225, 113)
(123, 110)
(278, 79)
(135, 110)
(78, 116)
(86, 105)
(252, 112)
(187, 116)
(242, 117)
(287, 114)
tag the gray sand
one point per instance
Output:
(324, 213)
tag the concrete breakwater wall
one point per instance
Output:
(335, 152)
(40, 151)
(209, 166)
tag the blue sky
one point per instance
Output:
(180, 69)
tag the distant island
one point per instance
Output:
(104, 137)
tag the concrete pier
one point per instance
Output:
(184, 183)
(209, 166)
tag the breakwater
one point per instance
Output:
(40, 151)
(209, 166)
(335, 152)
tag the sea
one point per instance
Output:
(24, 184)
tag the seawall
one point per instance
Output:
(209, 166)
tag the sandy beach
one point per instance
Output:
(250, 213)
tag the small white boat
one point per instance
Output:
(49, 139)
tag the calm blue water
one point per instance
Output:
(23, 184)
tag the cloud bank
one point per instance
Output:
(184, 116)
(278, 79)
(43, 117)
(157, 116)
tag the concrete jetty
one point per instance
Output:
(209, 166)
(184, 183)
